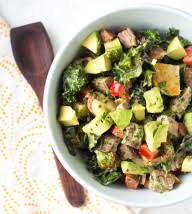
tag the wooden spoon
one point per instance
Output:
(33, 54)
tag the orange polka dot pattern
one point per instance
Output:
(29, 181)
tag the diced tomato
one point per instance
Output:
(116, 88)
(132, 181)
(189, 51)
(144, 152)
(187, 60)
(118, 132)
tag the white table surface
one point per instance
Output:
(62, 19)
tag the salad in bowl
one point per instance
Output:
(126, 105)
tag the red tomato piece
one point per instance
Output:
(187, 60)
(116, 88)
(144, 152)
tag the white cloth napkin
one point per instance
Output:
(29, 181)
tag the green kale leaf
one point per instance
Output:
(170, 35)
(107, 177)
(74, 79)
(129, 66)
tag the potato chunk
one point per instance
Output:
(166, 77)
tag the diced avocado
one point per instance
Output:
(129, 167)
(154, 101)
(113, 49)
(167, 78)
(160, 135)
(92, 42)
(98, 103)
(175, 49)
(121, 117)
(149, 129)
(106, 160)
(67, 116)
(155, 134)
(81, 110)
(173, 124)
(92, 141)
(187, 164)
(99, 125)
(188, 122)
(98, 65)
(138, 111)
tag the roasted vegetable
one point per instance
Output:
(166, 77)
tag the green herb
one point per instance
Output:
(129, 67)
(73, 80)
(107, 177)
(137, 93)
(152, 39)
(173, 32)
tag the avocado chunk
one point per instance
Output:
(175, 49)
(98, 103)
(129, 167)
(113, 49)
(93, 43)
(154, 101)
(106, 160)
(187, 164)
(92, 138)
(99, 125)
(155, 134)
(173, 125)
(138, 111)
(67, 116)
(167, 78)
(188, 122)
(121, 117)
(98, 65)
(81, 110)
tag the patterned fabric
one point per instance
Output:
(29, 181)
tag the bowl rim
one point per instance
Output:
(132, 6)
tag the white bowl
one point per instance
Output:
(137, 17)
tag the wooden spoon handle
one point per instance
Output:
(33, 53)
